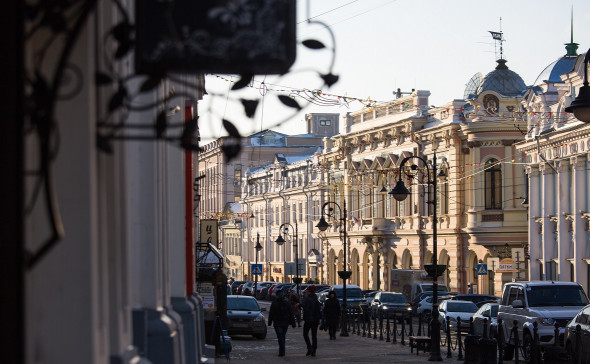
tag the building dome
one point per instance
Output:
(503, 81)
(559, 67)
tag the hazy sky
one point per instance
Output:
(381, 45)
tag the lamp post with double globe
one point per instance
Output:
(344, 274)
(580, 107)
(284, 228)
(400, 193)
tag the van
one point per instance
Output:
(354, 295)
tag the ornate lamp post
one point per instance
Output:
(280, 241)
(400, 193)
(344, 274)
(581, 105)
(258, 248)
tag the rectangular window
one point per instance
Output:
(301, 211)
(551, 268)
(325, 122)
(493, 188)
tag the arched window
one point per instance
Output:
(493, 185)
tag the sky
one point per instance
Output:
(382, 45)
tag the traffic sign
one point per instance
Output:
(256, 269)
(482, 269)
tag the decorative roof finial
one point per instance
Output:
(499, 37)
(571, 47)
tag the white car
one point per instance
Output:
(450, 310)
(425, 306)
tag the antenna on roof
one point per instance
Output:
(499, 37)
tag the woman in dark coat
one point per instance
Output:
(332, 314)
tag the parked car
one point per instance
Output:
(245, 317)
(270, 289)
(389, 302)
(421, 296)
(354, 295)
(282, 286)
(235, 285)
(582, 319)
(367, 299)
(247, 289)
(475, 298)
(449, 310)
(487, 311)
(546, 302)
(424, 307)
(240, 288)
(319, 287)
(260, 287)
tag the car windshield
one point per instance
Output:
(240, 304)
(556, 295)
(393, 298)
(461, 307)
(350, 293)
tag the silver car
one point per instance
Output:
(245, 317)
(450, 310)
(488, 311)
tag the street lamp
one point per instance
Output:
(581, 105)
(344, 274)
(258, 248)
(280, 241)
(400, 193)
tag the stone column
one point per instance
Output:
(580, 224)
(563, 225)
(535, 211)
(547, 211)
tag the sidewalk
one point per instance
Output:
(352, 349)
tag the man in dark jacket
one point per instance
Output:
(311, 315)
(281, 314)
(332, 314)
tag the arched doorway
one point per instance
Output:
(407, 260)
(472, 272)
(331, 269)
(389, 264)
(427, 257)
(445, 259)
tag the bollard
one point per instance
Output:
(487, 347)
(419, 325)
(577, 356)
(471, 346)
(471, 328)
(411, 325)
(516, 341)
(403, 341)
(449, 355)
(358, 323)
(387, 328)
(535, 354)
(459, 340)
(500, 341)
(556, 333)
(381, 326)
(375, 327)
(394, 340)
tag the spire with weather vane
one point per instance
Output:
(571, 47)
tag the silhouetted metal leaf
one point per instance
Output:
(329, 79)
(231, 150)
(243, 82)
(161, 124)
(117, 99)
(289, 102)
(250, 107)
(102, 79)
(122, 31)
(188, 135)
(152, 82)
(123, 48)
(313, 44)
(231, 129)
(103, 144)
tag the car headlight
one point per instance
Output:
(259, 318)
(409, 308)
(546, 321)
(384, 307)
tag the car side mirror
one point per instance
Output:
(441, 310)
(517, 304)
(375, 300)
(262, 309)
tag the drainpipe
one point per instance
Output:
(267, 225)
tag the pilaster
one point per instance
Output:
(563, 224)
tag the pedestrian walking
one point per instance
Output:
(281, 314)
(311, 316)
(296, 307)
(332, 314)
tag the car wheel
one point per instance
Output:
(260, 336)
(527, 343)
